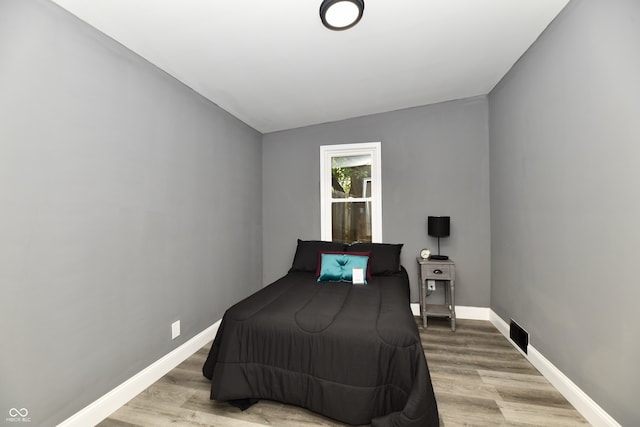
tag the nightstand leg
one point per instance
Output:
(423, 305)
(452, 300)
(423, 299)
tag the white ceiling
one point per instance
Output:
(273, 65)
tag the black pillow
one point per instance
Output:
(385, 257)
(306, 257)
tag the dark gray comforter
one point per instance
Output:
(350, 352)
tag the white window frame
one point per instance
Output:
(339, 150)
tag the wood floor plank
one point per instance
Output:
(510, 379)
(112, 422)
(265, 413)
(525, 413)
(541, 398)
(150, 416)
(455, 410)
(479, 380)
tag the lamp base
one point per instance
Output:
(439, 257)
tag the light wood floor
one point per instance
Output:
(478, 377)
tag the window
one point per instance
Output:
(351, 193)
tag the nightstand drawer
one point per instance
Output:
(437, 271)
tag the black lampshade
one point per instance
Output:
(341, 15)
(438, 226)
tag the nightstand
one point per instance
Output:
(442, 272)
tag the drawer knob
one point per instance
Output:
(437, 271)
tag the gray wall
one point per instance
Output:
(565, 200)
(127, 201)
(435, 161)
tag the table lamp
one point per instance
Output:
(438, 226)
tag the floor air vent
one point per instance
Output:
(519, 336)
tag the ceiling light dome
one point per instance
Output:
(341, 14)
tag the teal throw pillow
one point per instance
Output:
(339, 267)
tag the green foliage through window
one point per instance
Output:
(348, 180)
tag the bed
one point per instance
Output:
(350, 352)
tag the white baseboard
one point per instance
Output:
(472, 313)
(462, 312)
(503, 327)
(589, 409)
(113, 400)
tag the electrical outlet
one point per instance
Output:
(431, 285)
(175, 329)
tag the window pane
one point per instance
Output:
(351, 222)
(351, 176)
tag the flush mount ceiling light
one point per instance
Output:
(341, 14)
